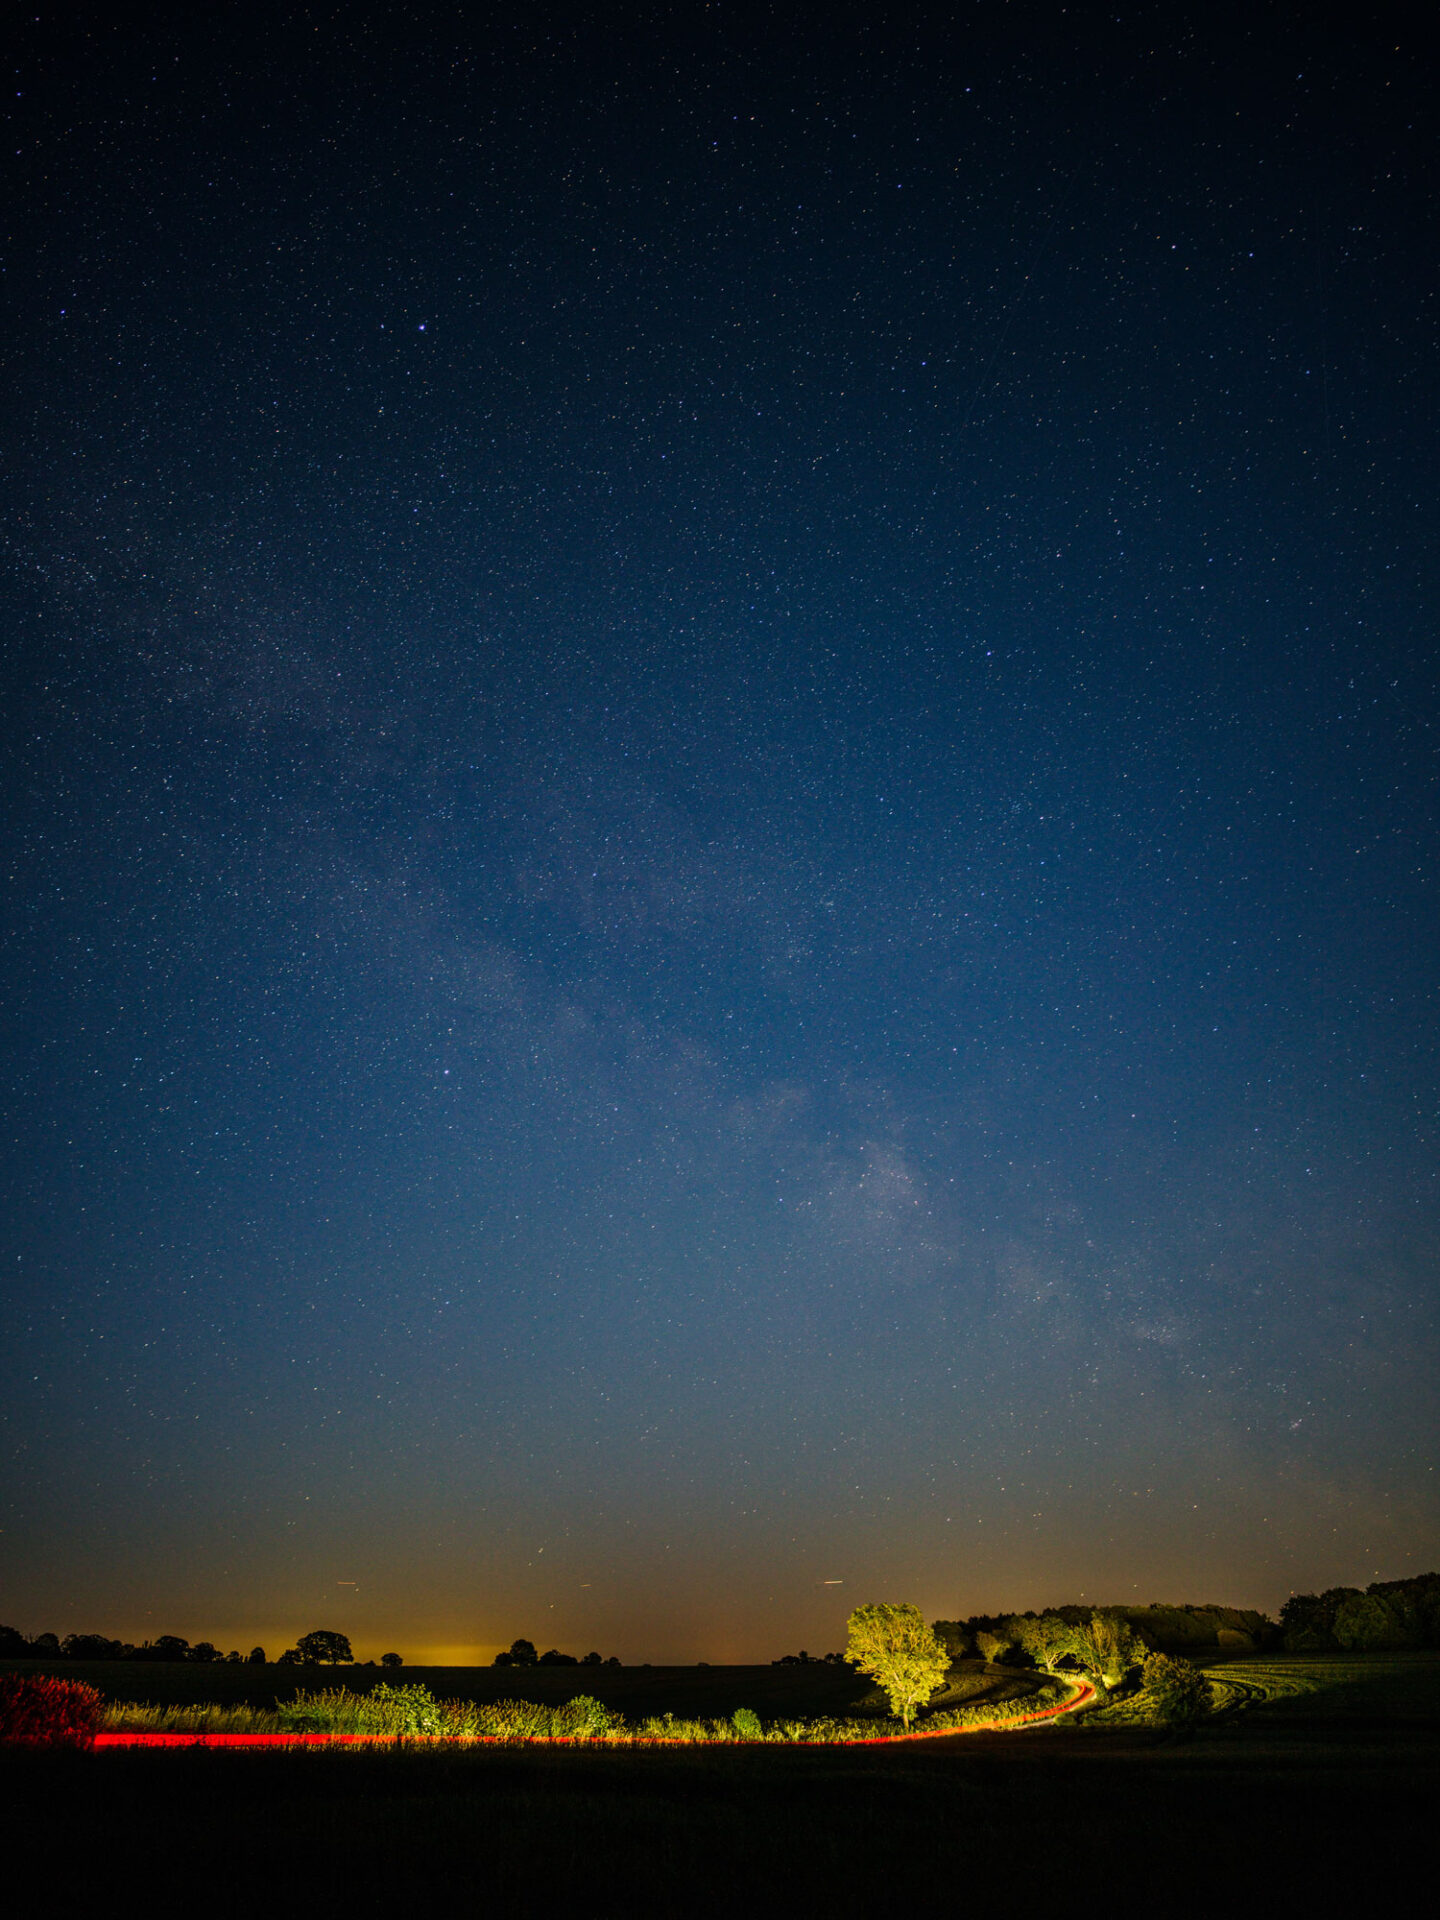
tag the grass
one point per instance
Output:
(129, 1716)
(1393, 1687)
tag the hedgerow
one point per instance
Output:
(413, 1712)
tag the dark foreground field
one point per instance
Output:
(1313, 1805)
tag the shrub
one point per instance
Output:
(583, 1719)
(1179, 1692)
(385, 1709)
(746, 1723)
(42, 1712)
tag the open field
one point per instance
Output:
(1319, 1797)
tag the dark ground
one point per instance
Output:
(1313, 1806)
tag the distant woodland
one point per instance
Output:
(1388, 1616)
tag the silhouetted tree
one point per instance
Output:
(391, 1660)
(89, 1646)
(554, 1658)
(257, 1656)
(324, 1648)
(168, 1646)
(591, 1660)
(204, 1652)
(1308, 1619)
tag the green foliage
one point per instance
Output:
(1023, 1638)
(1107, 1647)
(998, 1712)
(1366, 1623)
(412, 1712)
(583, 1719)
(1178, 1692)
(955, 1637)
(891, 1642)
(1048, 1638)
(124, 1716)
(1389, 1616)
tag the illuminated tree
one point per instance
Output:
(894, 1646)
(1107, 1646)
(1047, 1638)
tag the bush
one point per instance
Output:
(1179, 1692)
(42, 1712)
(746, 1723)
(385, 1709)
(583, 1719)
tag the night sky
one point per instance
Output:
(720, 799)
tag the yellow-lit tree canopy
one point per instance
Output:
(892, 1643)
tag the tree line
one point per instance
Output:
(1042, 1639)
(323, 1647)
(1388, 1616)
(521, 1653)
